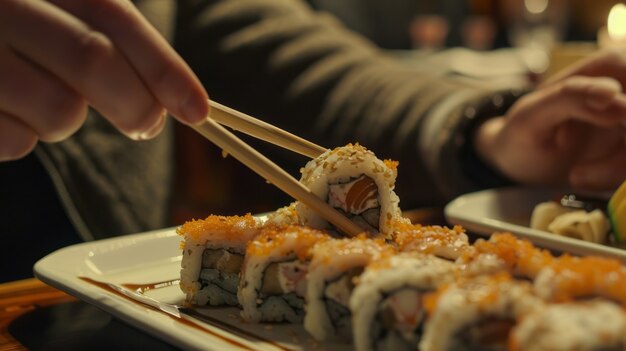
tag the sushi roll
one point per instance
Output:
(284, 216)
(355, 182)
(213, 252)
(273, 278)
(593, 325)
(333, 273)
(476, 314)
(440, 241)
(504, 251)
(569, 278)
(386, 305)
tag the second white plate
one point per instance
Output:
(509, 209)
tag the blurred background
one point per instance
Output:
(507, 42)
(475, 24)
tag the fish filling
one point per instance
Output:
(220, 268)
(281, 296)
(337, 296)
(399, 320)
(219, 276)
(358, 199)
(489, 334)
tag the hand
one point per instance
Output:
(568, 131)
(605, 63)
(58, 56)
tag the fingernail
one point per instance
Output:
(195, 108)
(599, 101)
(133, 135)
(155, 129)
(602, 94)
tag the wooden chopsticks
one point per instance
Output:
(267, 169)
(263, 130)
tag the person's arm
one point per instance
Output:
(303, 71)
(59, 56)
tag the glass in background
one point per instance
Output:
(536, 23)
(536, 26)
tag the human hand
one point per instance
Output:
(568, 131)
(58, 56)
(604, 63)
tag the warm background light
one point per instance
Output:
(617, 22)
(536, 6)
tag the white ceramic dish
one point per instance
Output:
(509, 209)
(153, 257)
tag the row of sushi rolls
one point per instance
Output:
(398, 286)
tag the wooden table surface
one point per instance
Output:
(21, 297)
(35, 316)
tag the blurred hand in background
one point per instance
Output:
(569, 130)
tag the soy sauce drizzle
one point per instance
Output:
(141, 288)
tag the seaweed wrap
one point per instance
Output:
(386, 305)
(333, 273)
(273, 277)
(213, 252)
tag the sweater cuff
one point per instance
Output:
(472, 165)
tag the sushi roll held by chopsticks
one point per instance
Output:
(355, 182)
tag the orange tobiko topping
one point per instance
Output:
(302, 239)
(589, 276)
(392, 164)
(425, 239)
(520, 256)
(483, 290)
(375, 248)
(224, 225)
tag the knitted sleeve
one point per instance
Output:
(304, 72)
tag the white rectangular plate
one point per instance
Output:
(509, 209)
(153, 257)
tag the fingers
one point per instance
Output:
(607, 173)
(594, 100)
(609, 62)
(16, 139)
(163, 71)
(155, 129)
(40, 101)
(597, 93)
(84, 59)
